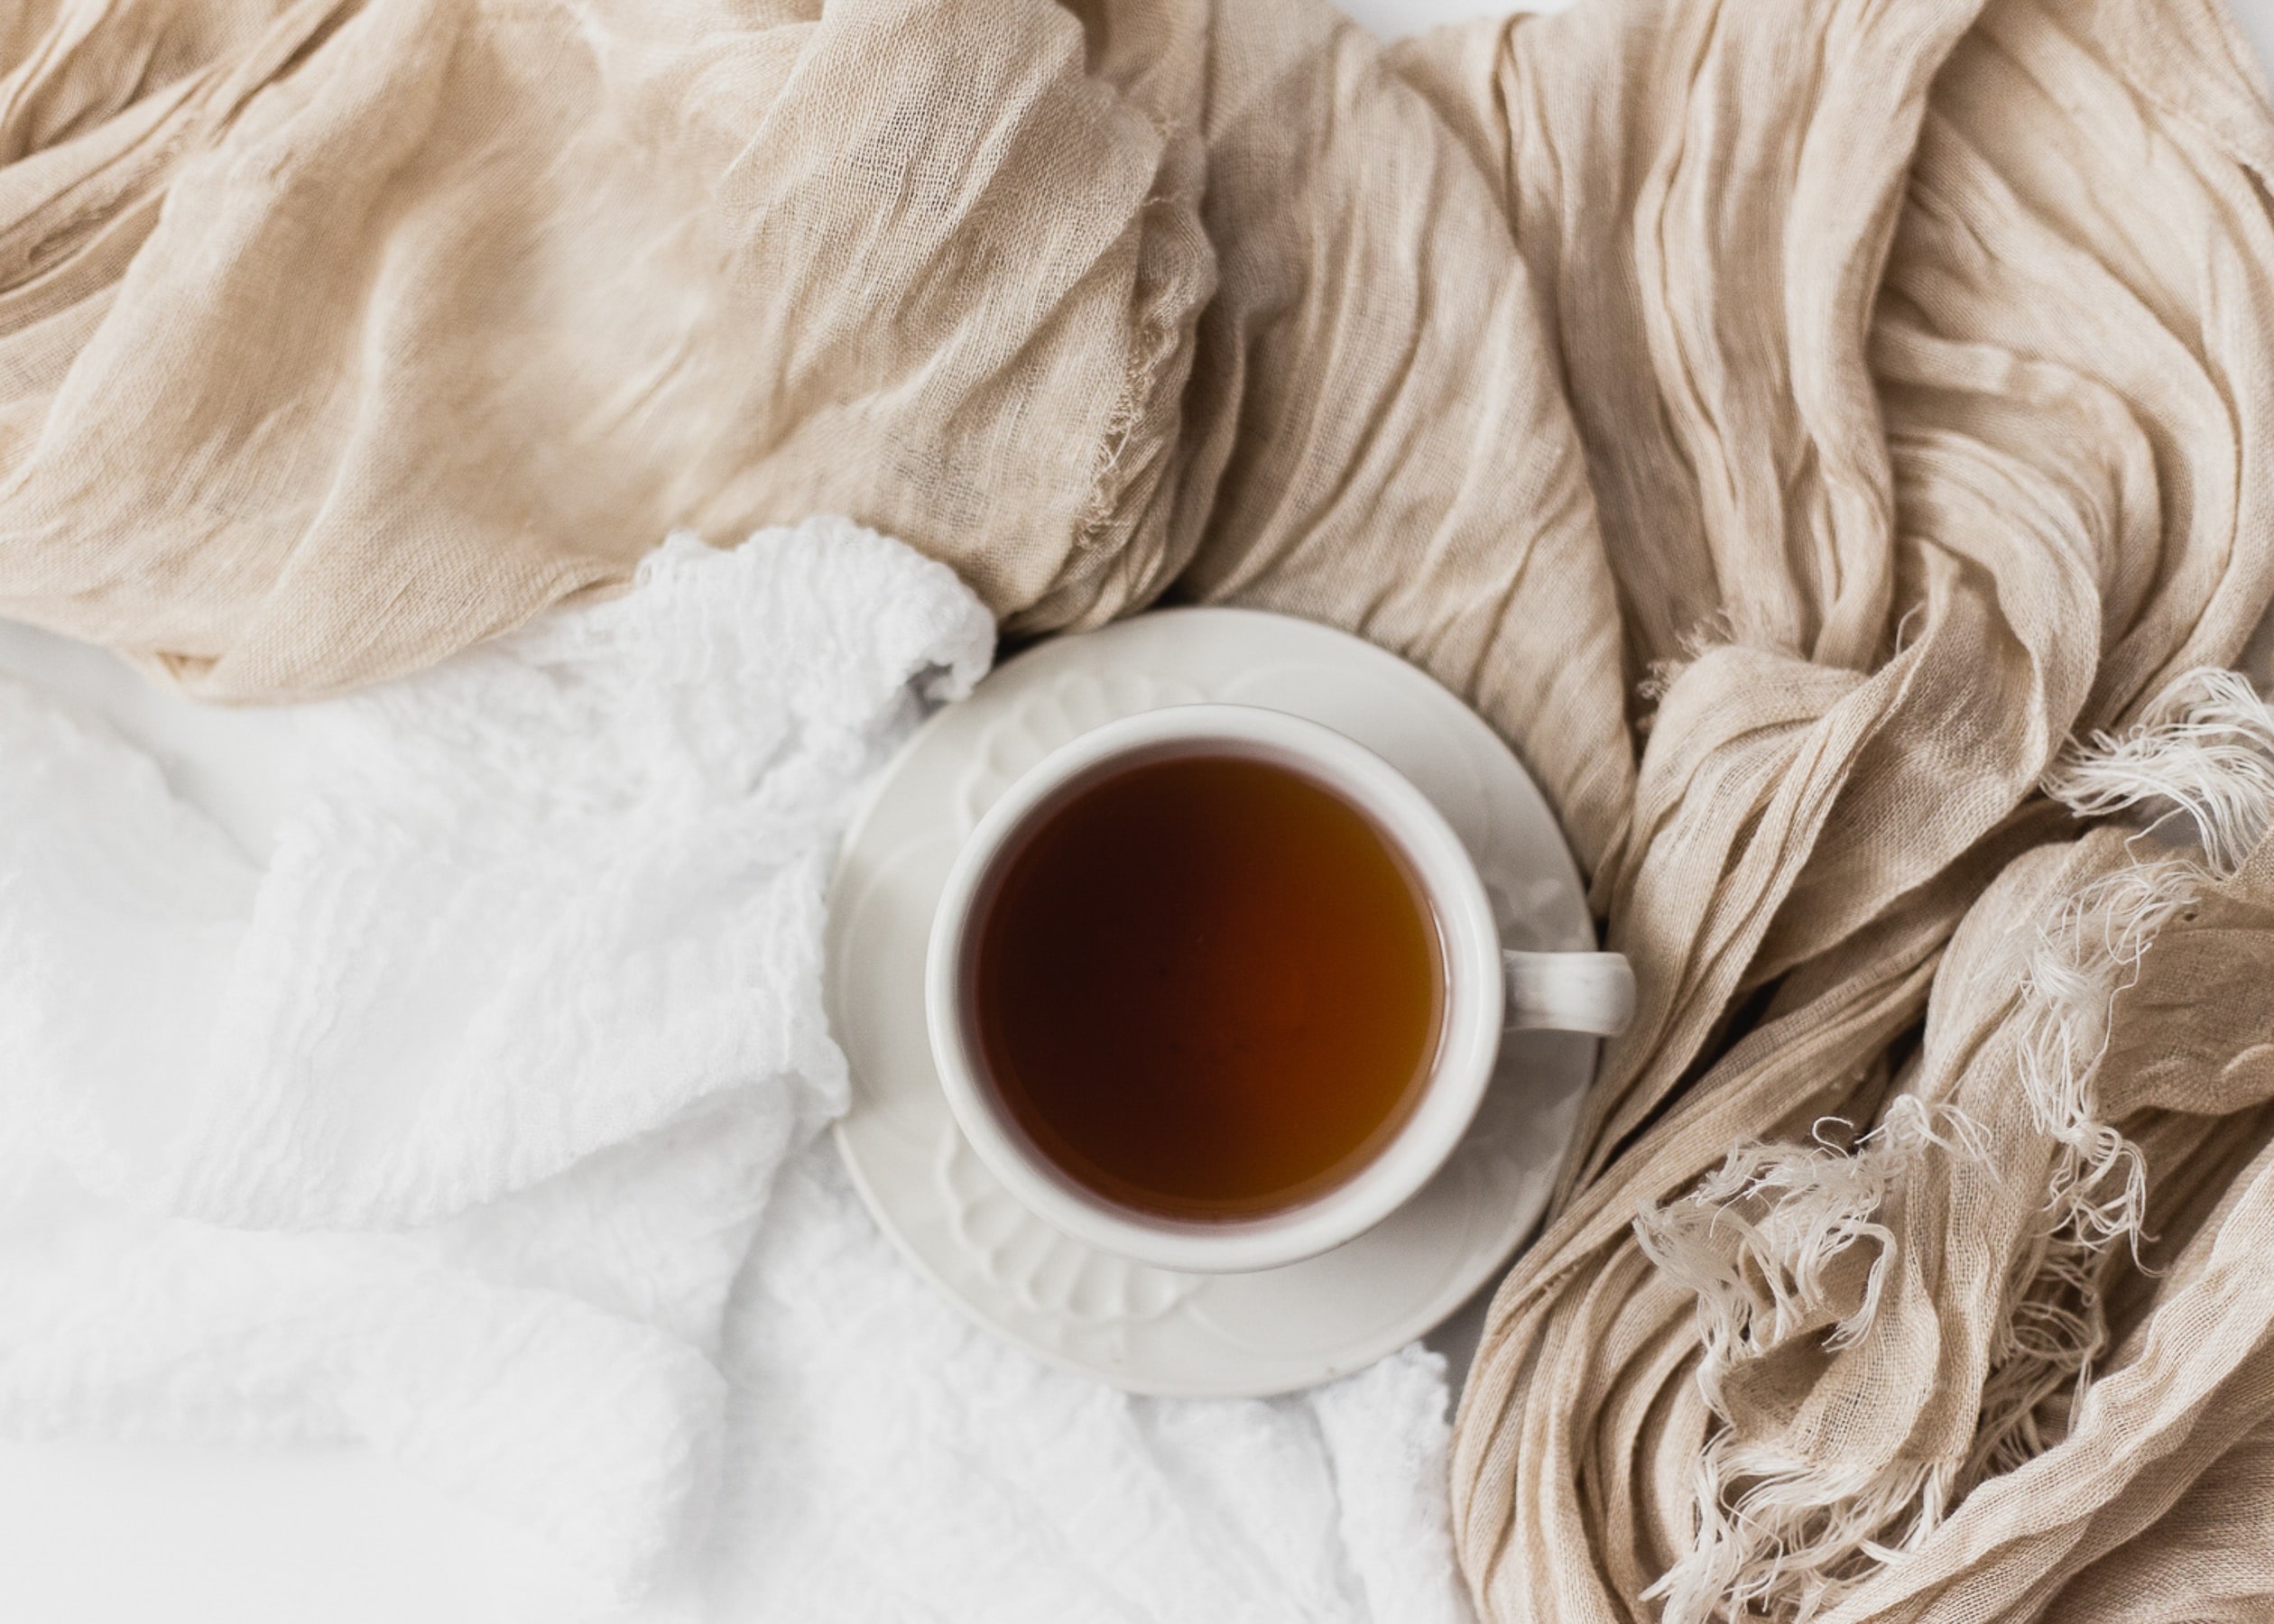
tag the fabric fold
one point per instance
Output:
(1927, 429)
(447, 1127)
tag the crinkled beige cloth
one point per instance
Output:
(1800, 425)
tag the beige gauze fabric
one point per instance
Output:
(336, 336)
(1922, 356)
(1828, 438)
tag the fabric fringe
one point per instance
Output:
(2055, 1326)
(1780, 1535)
(2204, 747)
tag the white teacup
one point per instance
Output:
(1486, 990)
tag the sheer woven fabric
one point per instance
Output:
(1792, 423)
(1920, 352)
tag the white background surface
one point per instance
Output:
(115, 1533)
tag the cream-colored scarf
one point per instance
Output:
(1829, 438)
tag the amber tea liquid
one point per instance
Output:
(1207, 987)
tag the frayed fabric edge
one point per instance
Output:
(1756, 1239)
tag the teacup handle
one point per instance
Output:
(1569, 992)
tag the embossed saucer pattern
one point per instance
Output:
(1145, 1329)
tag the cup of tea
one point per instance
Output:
(1216, 988)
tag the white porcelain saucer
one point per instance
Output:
(1145, 1329)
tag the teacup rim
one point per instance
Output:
(1414, 1152)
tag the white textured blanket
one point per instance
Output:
(475, 1120)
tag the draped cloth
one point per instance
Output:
(1827, 437)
